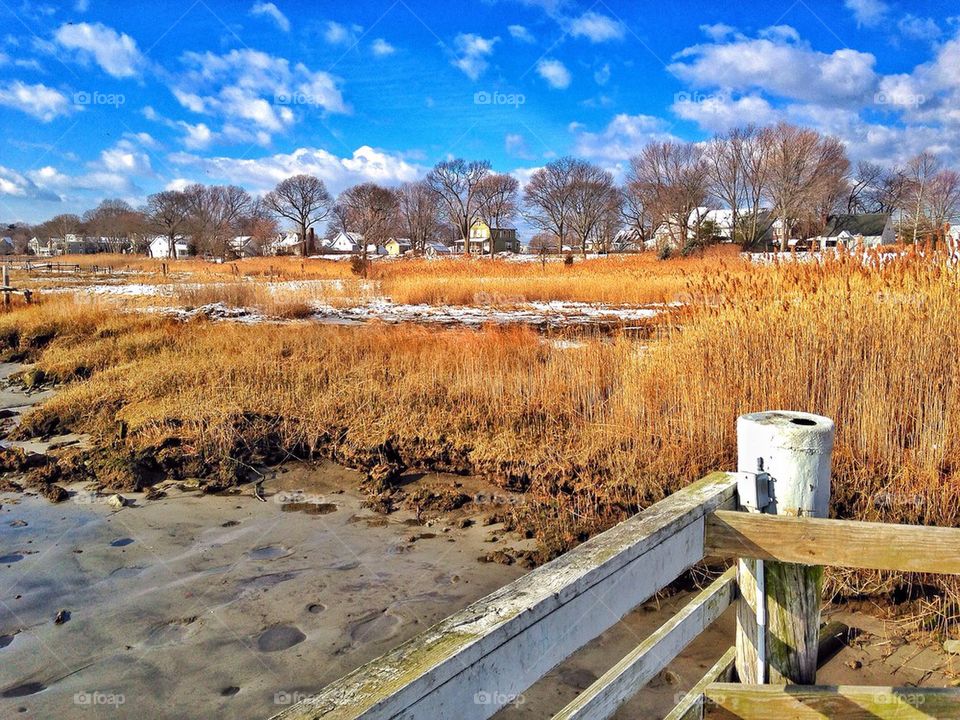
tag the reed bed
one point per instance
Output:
(591, 431)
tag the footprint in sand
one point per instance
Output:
(267, 552)
(374, 626)
(28, 688)
(279, 637)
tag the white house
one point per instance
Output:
(345, 242)
(283, 244)
(159, 247)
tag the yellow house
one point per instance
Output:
(396, 247)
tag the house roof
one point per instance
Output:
(866, 224)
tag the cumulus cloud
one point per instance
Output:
(116, 53)
(555, 73)
(256, 94)
(868, 12)
(718, 32)
(381, 48)
(472, 52)
(197, 136)
(596, 28)
(519, 32)
(779, 64)
(14, 184)
(262, 174)
(270, 10)
(40, 101)
(917, 28)
(623, 137)
(721, 111)
(115, 172)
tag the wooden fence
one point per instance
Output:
(767, 519)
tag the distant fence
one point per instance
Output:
(768, 518)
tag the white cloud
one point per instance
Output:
(519, 32)
(270, 10)
(596, 27)
(781, 65)
(81, 6)
(381, 48)
(178, 184)
(917, 28)
(867, 12)
(718, 32)
(40, 101)
(555, 73)
(14, 184)
(472, 53)
(262, 174)
(623, 137)
(716, 113)
(116, 53)
(114, 173)
(256, 94)
(515, 144)
(602, 76)
(337, 34)
(198, 136)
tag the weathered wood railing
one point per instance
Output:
(485, 656)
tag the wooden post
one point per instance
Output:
(787, 456)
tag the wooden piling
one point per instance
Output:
(786, 454)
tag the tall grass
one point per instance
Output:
(591, 432)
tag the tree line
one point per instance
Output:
(792, 176)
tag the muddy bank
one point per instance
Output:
(222, 606)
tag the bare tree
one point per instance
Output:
(920, 171)
(593, 192)
(636, 211)
(497, 202)
(806, 168)
(675, 177)
(943, 200)
(303, 200)
(260, 224)
(862, 187)
(456, 183)
(169, 211)
(889, 193)
(419, 213)
(215, 215)
(725, 158)
(367, 209)
(548, 198)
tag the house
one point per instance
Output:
(6, 246)
(868, 230)
(159, 247)
(40, 248)
(627, 240)
(345, 242)
(395, 247)
(284, 244)
(481, 235)
(435, 249)
(243, 246)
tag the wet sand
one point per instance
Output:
(217, 606)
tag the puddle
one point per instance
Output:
(7, 639)
(309, 508)
(30, 688)
(10, 559)
(279, 638)
(267, 552)
(122, 542)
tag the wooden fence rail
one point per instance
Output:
(763, 518)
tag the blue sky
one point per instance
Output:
(102, 99)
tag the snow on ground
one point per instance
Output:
(550, 314)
